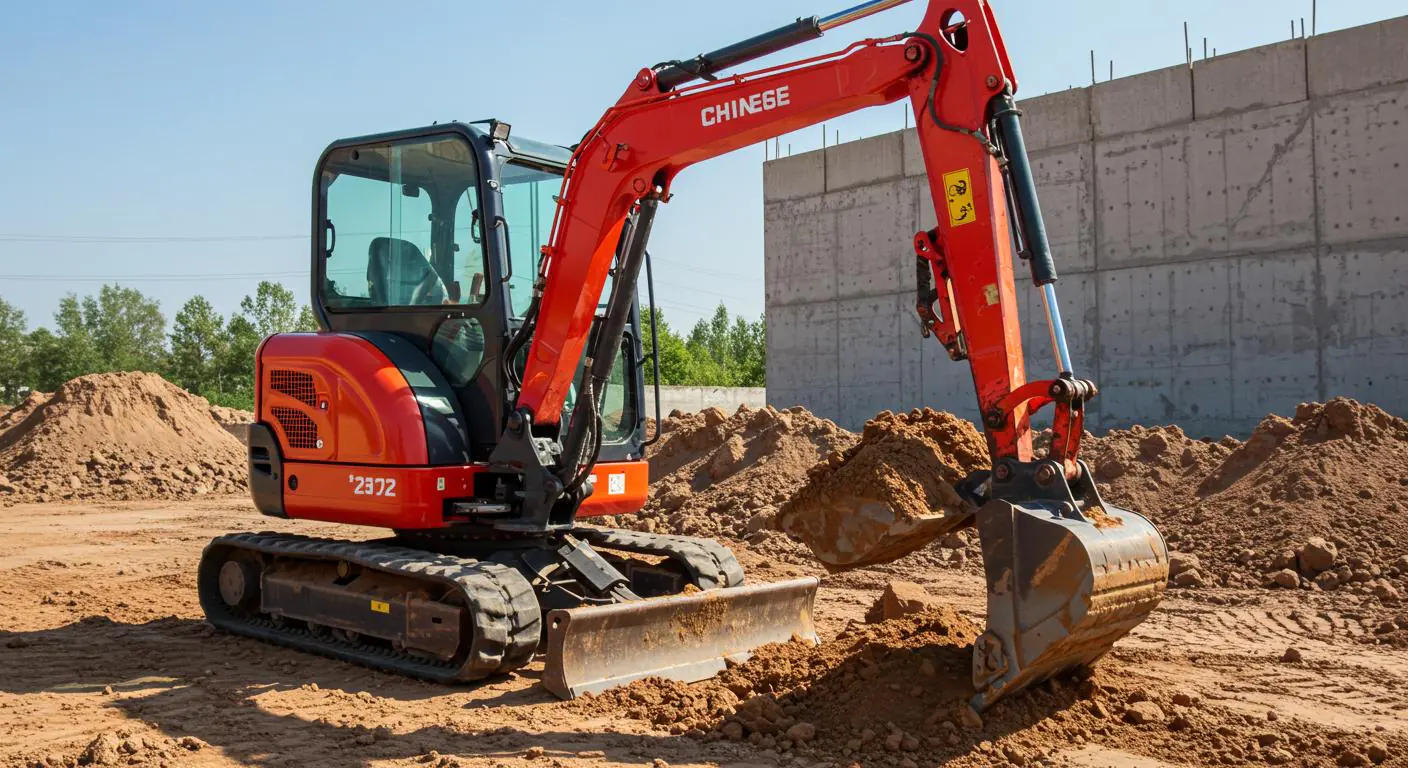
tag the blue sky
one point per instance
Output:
(198, 124)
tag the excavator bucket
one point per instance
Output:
(683, 637)
(1062, 588)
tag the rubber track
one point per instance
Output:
(710, 563)
(507, 622)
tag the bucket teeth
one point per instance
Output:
(1062, 588)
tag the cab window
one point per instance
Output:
(529, 206)
(401, 225)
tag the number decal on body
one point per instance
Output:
(363, 485)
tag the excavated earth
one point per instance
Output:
(890, 494)
(107, 661)
(118, 436)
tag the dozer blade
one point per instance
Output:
(683, 637)
(1062, 588)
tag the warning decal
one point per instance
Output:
(958, 188)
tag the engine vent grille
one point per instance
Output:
(298, 428)
(296, 384)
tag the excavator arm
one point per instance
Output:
(1067, 574)
(630, 158)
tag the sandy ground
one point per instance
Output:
(100, 633)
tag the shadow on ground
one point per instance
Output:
(268, 706)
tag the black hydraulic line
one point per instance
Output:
(654, 348)
(672, 74)
(1023, 185)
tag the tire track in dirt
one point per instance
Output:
(1234, 655)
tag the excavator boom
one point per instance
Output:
(1067, 575)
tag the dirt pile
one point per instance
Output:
(126, 746)
(22, 411)
(896, 693)
(722, 476)
(890, 494)
(1316, 501)
(228, 417)
(117, 436)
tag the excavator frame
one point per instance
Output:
(1067, 574)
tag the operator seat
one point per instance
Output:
(395, 268)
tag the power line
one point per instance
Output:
(32, 237)
(150, 278)
(6, 237)
(694, 289)
(702, 270)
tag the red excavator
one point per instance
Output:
(477, 388)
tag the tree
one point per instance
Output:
(198, 344)
(14, 352)
(676, 363)
(48, 362)
(60, 355)
(272, 309)
(127, 329)
(748, 350)
(235, 365)
(306, 320)
(728, 352)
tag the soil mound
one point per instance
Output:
(890, 494)
(721, 476)
(1315, 501)
(830, 687)
(118, 436)
(230, 416)
(897, 692)
(22, 411)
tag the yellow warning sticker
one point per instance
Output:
(990, 293)
(381, 607)
(958, 188)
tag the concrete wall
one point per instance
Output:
(689, 399)
(1232, 240)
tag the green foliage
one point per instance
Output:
(243, 399)
(127, 329)
(199, 343)
(676, 364)
(14, 352)
(719, 352)
(120, 329)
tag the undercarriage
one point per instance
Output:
(453, 609)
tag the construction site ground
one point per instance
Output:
(102, 643)
(1282, 638)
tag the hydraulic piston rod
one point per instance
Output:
(676, 73)
(857, 12)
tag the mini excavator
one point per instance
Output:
(477, 387)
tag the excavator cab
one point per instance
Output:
(434, 235)
(425, 269)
